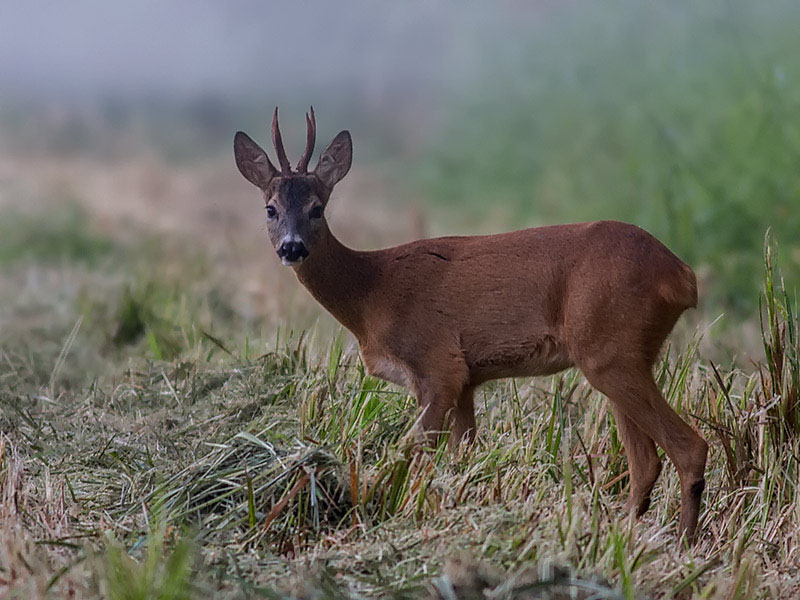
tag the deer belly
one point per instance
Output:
(543, 357)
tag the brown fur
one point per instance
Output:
(441, 316)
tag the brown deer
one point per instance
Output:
(441, 316)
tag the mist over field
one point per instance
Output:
(179, 418)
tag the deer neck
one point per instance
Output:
(340, 279)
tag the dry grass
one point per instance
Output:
(162, 439)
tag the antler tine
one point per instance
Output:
(311, 138)
(286, 168)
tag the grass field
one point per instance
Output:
(178, 421)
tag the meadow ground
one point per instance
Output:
(179, 421)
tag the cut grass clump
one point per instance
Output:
(257, 493)
(466, 580)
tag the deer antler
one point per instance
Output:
(286, 168)
(311, 137)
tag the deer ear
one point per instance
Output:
(252, 161)
(334, 162)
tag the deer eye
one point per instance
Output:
(271, 212)
(316, 212)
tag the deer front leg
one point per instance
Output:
(435, 402)
(463, 418)
(438, 395)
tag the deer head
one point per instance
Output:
(295, 200)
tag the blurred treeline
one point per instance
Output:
(680, 116)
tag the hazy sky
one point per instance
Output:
(183, 46)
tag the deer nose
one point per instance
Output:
(292, 251)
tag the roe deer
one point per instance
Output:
(441, 316)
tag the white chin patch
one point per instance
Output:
(292, 263)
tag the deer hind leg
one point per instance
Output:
(634, 393)
(643, 462)
(463, 418)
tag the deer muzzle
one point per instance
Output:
(292, 250)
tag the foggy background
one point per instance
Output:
(466, 118)
(390, 65)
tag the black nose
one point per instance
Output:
(292, 251)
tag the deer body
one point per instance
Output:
(441, 316)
